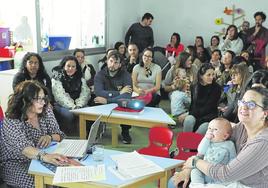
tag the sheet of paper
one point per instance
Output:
(134, 94)
(79, 174)
(133, 165)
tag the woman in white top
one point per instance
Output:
(146, 77)
(231, 41)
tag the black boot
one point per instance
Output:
(126, 139)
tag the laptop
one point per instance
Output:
(78, 148)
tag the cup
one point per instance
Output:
(98, 153)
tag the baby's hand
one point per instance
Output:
(209, 135)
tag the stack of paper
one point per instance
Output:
(79, 174)
(133, 165)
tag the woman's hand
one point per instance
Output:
(188, 163)
(56, 159)
(182, 176)
(44, 141)
(141, 91)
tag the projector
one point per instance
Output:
(134, 104)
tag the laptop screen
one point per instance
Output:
(93, 133)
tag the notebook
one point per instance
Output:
(78, 148)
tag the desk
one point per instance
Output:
(44, 176)
(149, 118)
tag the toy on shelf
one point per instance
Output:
(237, 14)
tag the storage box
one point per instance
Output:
(5, 65)
(4, 37)
(59, 43)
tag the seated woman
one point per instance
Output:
(121, 48)
(87, 70)
(177, 82)
(232, 92)
(205, 96)
(196, 63)
(146, 77)
(32, 68)
(223, 76)
(70, 91)
(29, 126)
(250, 136)
(175, 47)
(214, 44)
(231, 41)
(248, 59)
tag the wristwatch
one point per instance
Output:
(40, 155)
(194, 161)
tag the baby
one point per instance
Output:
(215, 148)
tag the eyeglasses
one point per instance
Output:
(41, 99)
(250, 104)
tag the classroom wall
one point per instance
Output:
(190, 18)
(120, 13)
(187, 17)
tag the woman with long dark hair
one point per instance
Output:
(32, 68)
(29, 126)
(231, 41)
(69, 89)
(175, 47)
(205, 96)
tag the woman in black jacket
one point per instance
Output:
(205, 96)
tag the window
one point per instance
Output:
(19, 18)
(53, 27)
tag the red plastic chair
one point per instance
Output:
(1, 114)
(1, 117)
(187, 143)
(160, 140)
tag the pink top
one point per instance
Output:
(177, 51)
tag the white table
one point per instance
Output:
(149, 118)
(43, 176)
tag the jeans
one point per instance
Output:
(189, 123)
(67, 120)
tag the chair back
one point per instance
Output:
(1, 114)
(160, 140)
(1, 117)
(187, 143)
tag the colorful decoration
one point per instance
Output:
(230, 12)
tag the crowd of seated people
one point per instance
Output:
(204, 83)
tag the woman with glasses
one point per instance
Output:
(146, 77)
(70, 91)
(250, 136)
(29, 126)
(32, 68)
(233, 91)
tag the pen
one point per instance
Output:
(53, 144)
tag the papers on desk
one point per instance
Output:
(133, 165)
(79, 174)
